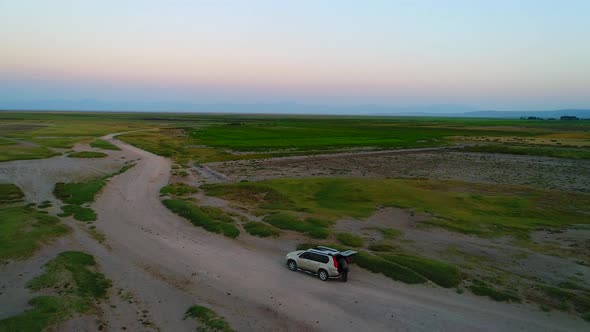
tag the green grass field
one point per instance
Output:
(206, 137)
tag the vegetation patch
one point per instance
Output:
(261, 229)
(10, 193)
(211, 219)
(440, 273)
(381, 247)
(84, 192)
(316, 228)
(484, 289)
(73, 278)
(261, 196)
(23, 152)
(565, 299)
(178, 189)
(87, 154)
(78, 212)
(349, 239)
(102, 144)
(211, 321)
(23, 230)
(479, 209)
(388, 268)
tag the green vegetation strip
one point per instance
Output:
(24, 230)
(73, 278)
(178, 189)
(10, 193)
(261, 229)
(102, 144)
(87, 154)
(211, 321)
(314, 227)
(211, 219)
(484, 289)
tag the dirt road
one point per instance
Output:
(168, 265)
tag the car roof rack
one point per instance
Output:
(322, 248)
(331, 251)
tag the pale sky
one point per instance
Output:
(496, 54)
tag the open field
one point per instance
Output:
(460, 224)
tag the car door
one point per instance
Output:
(315, 262)
(304, 262)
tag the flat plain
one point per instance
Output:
(148, 221)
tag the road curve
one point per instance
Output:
(169, 264)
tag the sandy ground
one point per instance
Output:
(160, 265)
(541, 172)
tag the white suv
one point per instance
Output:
(325, 262)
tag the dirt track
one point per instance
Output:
(168, 265)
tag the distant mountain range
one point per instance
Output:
(445, 110)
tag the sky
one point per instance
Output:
(501, 54)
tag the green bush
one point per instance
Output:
(261, 229)
(198, 217)
(351, 240)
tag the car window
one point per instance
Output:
(319, 258)
(306, 255)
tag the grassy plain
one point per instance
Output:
(207, 137)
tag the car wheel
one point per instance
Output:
(292, 265)
(323, 274)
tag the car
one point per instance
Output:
(321, 261)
